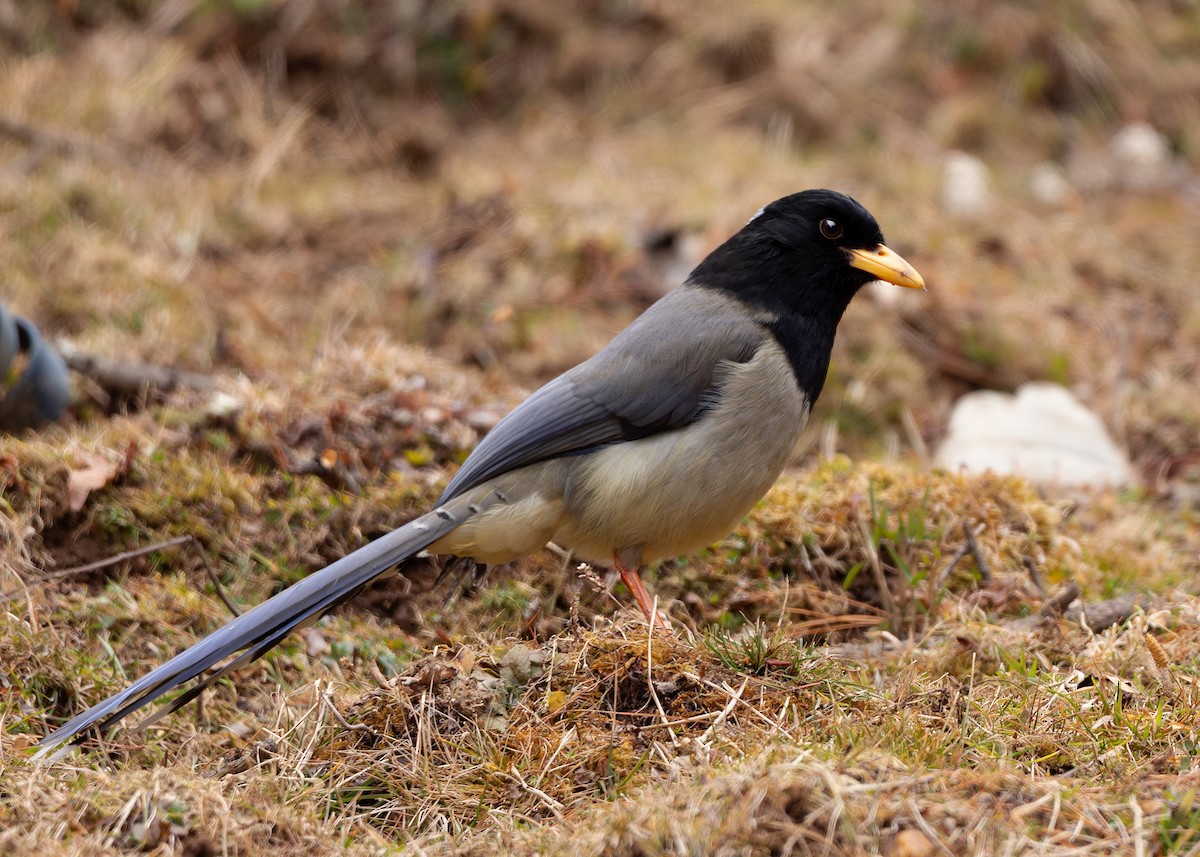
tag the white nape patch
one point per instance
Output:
(757, 215)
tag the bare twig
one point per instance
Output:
(1058, 604)
(337, 715)
(513, 775)
(216, 582)
(671, 724)
(945, 573)
(41, 141)
(1034, 574)
(95, 566)
(131, 379)
(976, 553)
(31, 135)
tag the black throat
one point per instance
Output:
(800, 303)
(808, 344)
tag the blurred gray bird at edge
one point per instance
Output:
(41, 392)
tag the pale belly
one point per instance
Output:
(666, 495)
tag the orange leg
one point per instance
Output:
(633, 580)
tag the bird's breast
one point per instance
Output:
(680, 491)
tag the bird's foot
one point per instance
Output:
(633, 580)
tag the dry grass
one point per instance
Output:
(307, 202)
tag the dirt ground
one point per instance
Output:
(333, 242)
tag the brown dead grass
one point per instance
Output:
(993, 738)
(308, 201)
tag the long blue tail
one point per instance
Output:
(256, 631)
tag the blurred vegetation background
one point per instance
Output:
(223, 186)
(355, 233)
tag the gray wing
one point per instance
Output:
(657, 375)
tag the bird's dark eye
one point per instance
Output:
(831, 229)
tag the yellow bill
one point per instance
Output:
(886, 265)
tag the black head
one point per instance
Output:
(805, 254)
(796, 265)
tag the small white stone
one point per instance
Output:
(1142, 157)
(966, 192)
(1048, 184)
(223, 405)
(1043, 433)
(1139, 145)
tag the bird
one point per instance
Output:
(656, 446)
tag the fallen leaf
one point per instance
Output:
(85, 480)
(21, 741)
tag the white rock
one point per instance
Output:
(1142, 157)
(966, 192)
(223, 405)
(1048, 184)
(1139, 145)
(1043, 433)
